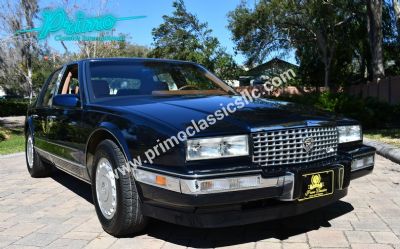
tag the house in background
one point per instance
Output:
(270, 69)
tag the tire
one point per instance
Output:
(36, 166)
(120, 208)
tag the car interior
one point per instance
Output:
(102, 89)
(70, 82)
(125, 80)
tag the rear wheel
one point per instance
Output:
(117, 202)
(35, 164)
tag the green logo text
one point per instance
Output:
(58, 20)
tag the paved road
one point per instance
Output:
(58, 212)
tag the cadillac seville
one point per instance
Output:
(267, 160)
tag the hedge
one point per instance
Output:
(13, 107)
(371, 113)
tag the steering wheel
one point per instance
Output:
(188, 86)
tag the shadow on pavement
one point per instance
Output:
(77, 186)
(206, 238)
(278, 229)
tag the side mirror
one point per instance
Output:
(66, 100)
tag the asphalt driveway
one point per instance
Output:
(58, 212)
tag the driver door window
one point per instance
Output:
(49, 92)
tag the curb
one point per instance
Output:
(388, 151)
(12, 155)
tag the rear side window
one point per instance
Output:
(115, 86)
(50, 89)
(69, 83)
(119, 79)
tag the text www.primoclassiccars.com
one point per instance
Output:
(246, 97)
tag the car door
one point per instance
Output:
(65, 129)
(40, 112)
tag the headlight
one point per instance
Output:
(217, 147)
(349, 133)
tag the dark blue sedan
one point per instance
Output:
(167, 139)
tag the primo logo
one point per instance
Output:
(58, 20)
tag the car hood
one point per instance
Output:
(180, 112)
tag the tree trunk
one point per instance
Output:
(326, 54)
(30, 84)
(29, 70)
(65, 47)
(366, 72)
(317, 90)
(327, 75)
(374, 9)
(28, 67)
(363, 65)
(30, 8)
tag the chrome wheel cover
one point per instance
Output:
(106, 190)
(29, 151)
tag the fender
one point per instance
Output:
(29, 125)
(116, 133)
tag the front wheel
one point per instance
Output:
(35, 164)
(117, 202)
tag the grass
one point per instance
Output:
(389, 136)
(14, 142)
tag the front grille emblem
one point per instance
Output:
(308, 144)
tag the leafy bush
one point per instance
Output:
(3, 135)
(370, 112)
(14, 140)
(17, 107)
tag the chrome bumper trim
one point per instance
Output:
(288, 187)
(195, 176)
(191, 186)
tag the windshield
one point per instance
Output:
(110, 79)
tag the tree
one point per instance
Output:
(133, 50)
(17, 51)
(183, 37)
(46, 62)
(111, 49)
(313, 28)
(374, 10)
(396, 7)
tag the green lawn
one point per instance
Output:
(14, 143)
(389, 136)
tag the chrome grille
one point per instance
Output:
(283, 147)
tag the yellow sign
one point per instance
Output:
(317, 187)
(316, 182)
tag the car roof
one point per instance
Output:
(131, 59)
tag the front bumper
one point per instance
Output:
(277, 198)
(235, 215)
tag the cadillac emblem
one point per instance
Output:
(308, 144)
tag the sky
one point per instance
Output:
(214, 12)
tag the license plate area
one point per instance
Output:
(317, 184)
